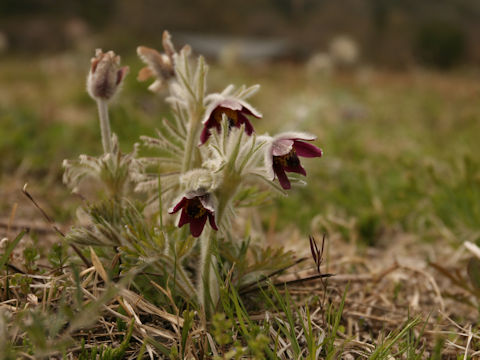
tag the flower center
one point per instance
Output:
(195, 208)
(288, 160)
(232, 116)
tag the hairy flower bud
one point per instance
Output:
(105, 75)
(203, 179)
(159, 66)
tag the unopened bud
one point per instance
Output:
(105, 75)
(159, 65)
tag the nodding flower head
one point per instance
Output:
(196, 208)
(105, 76)
(283, 155)
(160, 66)
(236, 111)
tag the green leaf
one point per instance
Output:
(10, 247)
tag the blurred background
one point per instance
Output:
(390, 87)
(385, 32)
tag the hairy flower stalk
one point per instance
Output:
(208, 289)
(193, 130)
(103, 81)
(113, 169)
(208, 286)
(105, 126)
(196, 110)
(236, 152)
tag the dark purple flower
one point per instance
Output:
(283, 155)
(195, 210)
(236, 111)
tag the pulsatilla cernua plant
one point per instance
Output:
(203, 163)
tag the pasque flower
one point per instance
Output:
(160, 66)
(105, 75)
(283, 155)
(196, 208)
(236, 111)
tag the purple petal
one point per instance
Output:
(204, 135)
(249, 110)
(306, 150)
(206, 201)
(208, 113)
(211, 219)
(242, 119)
(294, 135)
(230, 104)
(183, 218)
(282, 147)
(177, 207)
(197, 225)
(206, 132)
(282, 177)
(296, 169)
(121, 73)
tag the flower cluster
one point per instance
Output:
(212, 143)
(204, 161)
(214, 139)
(281, 155)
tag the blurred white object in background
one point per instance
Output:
(78, 34)
(473, 248)
(320, 63)
(236, 49)
(229, 54)
(344, 51)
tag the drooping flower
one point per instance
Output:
(159, 66)
(283, 155)
(236, 111)
(105, 75)
(196, 208)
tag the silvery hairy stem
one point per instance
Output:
(192, 138)
(207, 284)
(105, 125)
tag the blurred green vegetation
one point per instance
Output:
(401, 149)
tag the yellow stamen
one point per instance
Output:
(195, 208)
(232, 115)
(287, 160)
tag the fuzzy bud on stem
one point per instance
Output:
(103, 81)
(105, 76)
(160, 66)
